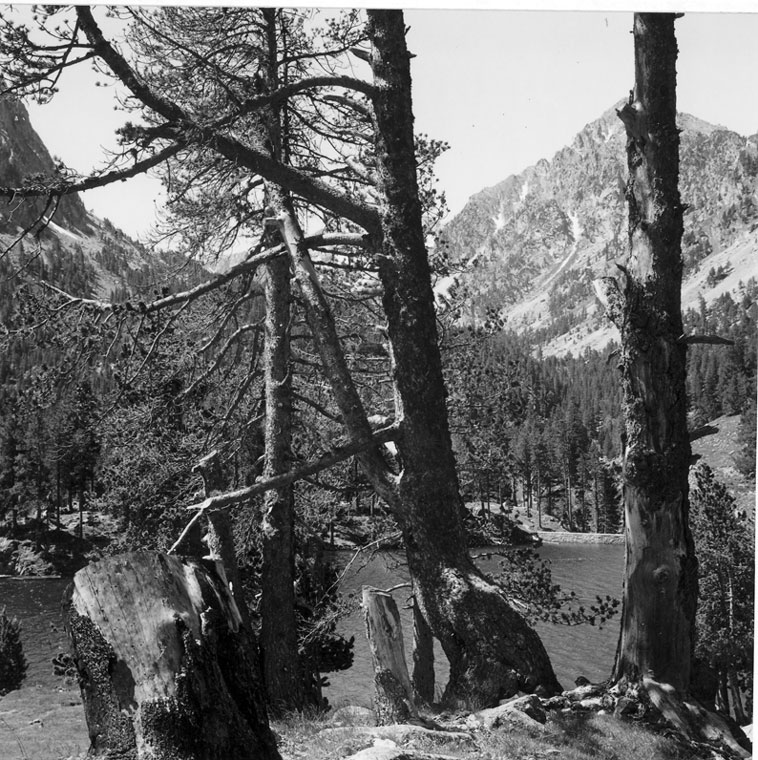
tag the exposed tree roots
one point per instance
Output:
(700, 730)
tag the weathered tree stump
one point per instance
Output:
(165, 668)
(393, 693)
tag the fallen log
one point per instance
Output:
(166, 670)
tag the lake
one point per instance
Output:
(587, 569)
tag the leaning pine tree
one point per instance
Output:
(660, 587)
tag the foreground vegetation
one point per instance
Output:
(50, 726)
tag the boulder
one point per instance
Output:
(404, 734)
(585, 692)
(508, 714)
(388, 753)
(556, 703)
(529, 704)
(352, 715)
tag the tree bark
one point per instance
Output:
(393, 693)
(166, 669)
(283, 668)
(491, 649)
(423, 657)
(660, 589)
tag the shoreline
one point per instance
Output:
(564, 537)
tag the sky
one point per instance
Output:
(505, 88)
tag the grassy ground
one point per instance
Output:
(42, 724)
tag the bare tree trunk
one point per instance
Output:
(165, 667)
(58, 495)
(81, 512)
(283, 669)
(660, 589)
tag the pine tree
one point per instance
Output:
(12, 660)
(725, 545)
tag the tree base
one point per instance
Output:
(686, 719)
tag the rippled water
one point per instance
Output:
(587, 569)
(37, 604)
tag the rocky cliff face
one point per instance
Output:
(532, 244)
(23, 157)
(77, 251)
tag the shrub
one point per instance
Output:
(12, 660)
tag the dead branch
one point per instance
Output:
(389, 433)
(713, 340)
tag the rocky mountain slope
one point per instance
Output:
(78, 251)
(531, 245)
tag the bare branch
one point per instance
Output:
(712, 340)
(335, 456)
(60, 186)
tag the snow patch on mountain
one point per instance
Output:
(57, 228)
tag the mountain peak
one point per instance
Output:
(539, 238)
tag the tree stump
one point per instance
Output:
(393, 693)
(165, 668)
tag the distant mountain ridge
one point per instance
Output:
(88, 252)
(533, 243)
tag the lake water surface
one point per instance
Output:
(587, 569)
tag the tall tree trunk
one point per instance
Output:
(283, 668)
(661, 570)
(660, 588)
(58, 495)
(491, 649)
